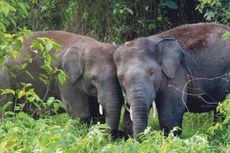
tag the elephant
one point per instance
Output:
(91, 81)
(185, 69)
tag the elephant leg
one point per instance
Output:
(127, 124)
(170, 112)
(94, 110)
(170, 121)
(76, 102)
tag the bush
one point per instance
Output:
(10, 45)
(61, 134)
(215, 10)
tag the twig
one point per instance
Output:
(197, 79)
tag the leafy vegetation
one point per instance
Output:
(61, 134)
(9, 13)
(215, 10)
(10, 46)
(20, 132)
(105, 20)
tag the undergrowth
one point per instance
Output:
(60, 133)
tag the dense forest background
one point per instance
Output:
(120, 20)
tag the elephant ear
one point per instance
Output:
(71, 63)
(171, 54)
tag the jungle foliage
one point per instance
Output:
(111, 20)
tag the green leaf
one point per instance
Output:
(49, 46)
(18, 43)
(60, 103)
(12, 74)
(62, 76)
(23, 66)
(26, 85)
(7, 91)
(14, 54)
(21, 94)
(29, 74)
(47, 58)
(103, 126)
(56, 107)
(10, 113)
(24, 7)
(19, 107)
(12, 21)
(41, 40)
(130, 11)
(226, 36)
(11, 8)
(22, 115)
(44, 79)
(36, 45)
(5, 107)
(171, 4)
(209, 15)
(57, 46)
(147, 8)
(2, 27)
(26, 32)
(47, 68)
(4, 9)
(50, 101)
(32, 93)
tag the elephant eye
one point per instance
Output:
(151, 72)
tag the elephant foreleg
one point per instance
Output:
(170, 111)
(127, 124)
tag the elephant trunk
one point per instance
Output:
(140, 101)
(140, 119)
(112, 112)
(111, 100)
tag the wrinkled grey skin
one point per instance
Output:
(91, 75)
(183, 69)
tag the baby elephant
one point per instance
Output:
(183, 69)
(91, 75)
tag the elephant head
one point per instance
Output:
(142, 66)
(90, 68)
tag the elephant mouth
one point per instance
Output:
(91, 90)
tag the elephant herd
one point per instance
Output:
(185, 69)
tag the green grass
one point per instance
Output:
(60, 133)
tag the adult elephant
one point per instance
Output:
(91, 75)
(183, 69)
